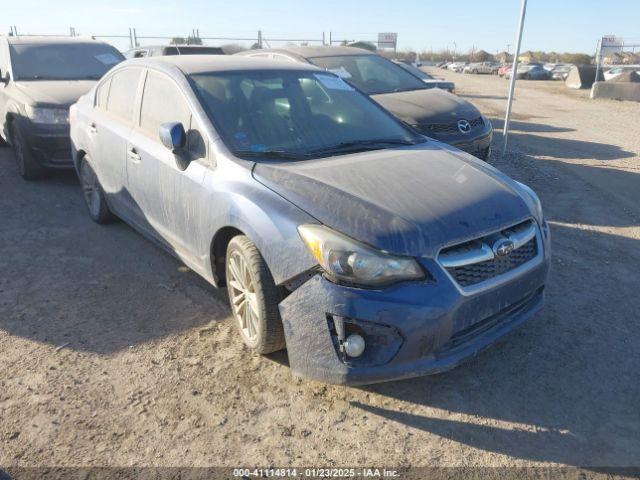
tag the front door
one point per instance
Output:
(172, 198)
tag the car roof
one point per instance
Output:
(145, 47)
(194, 64)
(41, 39)
(315, 51)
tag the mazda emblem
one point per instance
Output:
(464, 126)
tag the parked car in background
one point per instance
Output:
(367, 250)
(490, 68)
(560, 72)
(616, 71)
(429, 80)
(502, 71)
(40, 77)
(444, 65)
(457, 66)
(160, 50)
(432, 111)
(529, 72)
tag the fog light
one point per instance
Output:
(354, 345)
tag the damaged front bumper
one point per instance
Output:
(410, 329)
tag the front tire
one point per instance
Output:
(28, 168)
(94, 194)
(254, 297)
(484, 154)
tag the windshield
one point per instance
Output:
(372, 74)
(415, 71)
(295, 114)
(62, 61)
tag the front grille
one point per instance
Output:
(475, 272)
(450, 127)
(479, 272)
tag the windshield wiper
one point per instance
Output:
(270, 153)
(362, 145)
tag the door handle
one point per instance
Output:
(133, 155)
(92, 128)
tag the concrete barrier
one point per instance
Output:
(582, 76)
(616, 91)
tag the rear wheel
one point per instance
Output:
(94, 195)
(28, 167)
(254, 297)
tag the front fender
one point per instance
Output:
(269, 220)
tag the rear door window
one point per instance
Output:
(122, 93)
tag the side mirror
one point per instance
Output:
(173, 136)
(4, 77)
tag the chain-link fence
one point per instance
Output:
(134, 38)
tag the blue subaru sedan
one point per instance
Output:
(368, 251)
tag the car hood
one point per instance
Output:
(407, 201)
(54, 93)
(434, 81)
(426, 106)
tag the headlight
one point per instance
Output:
(348, 261)
(50, 116)
(486, 121)
(536, 201)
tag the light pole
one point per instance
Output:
(514, 74)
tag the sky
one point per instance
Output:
(560, 25)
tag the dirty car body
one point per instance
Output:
(463, 248)
(41, 78)
(432, 111)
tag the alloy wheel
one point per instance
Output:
(244, 300)
(90, 188)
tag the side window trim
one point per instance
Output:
(139, 96)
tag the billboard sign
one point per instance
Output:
(387, 40)
(610, 44)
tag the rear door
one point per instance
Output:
(173, 200)
(108, 129)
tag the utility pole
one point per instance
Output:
(598, 58)
(514, 71)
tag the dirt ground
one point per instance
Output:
(114, 354)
